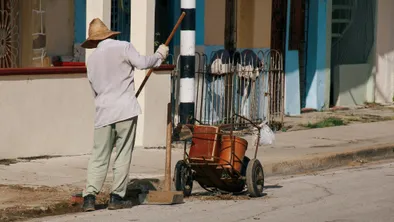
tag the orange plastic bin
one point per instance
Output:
(240, 147)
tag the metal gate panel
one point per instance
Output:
(257, 88)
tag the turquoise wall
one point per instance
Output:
(292, 74)
(316, 62)
(79, 21)
(292, 86)
(316, 65)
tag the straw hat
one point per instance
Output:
(97, 31)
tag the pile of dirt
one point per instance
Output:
(19, 213)
(19, 203)
(8, 162)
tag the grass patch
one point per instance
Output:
(328, 122)
(276, 125)
(373, 105)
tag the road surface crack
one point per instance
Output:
(327, 192)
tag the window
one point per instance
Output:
(163, 21)
(34, 31)
(120, 18)
(9, 33)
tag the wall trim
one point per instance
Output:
(43, 70)
(78, 69)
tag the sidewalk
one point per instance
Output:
(314, 149)
(293, 152)
(290, 146)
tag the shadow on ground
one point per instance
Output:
(218, 195)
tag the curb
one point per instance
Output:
(368, 154)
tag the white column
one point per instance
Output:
(97, 9)
(142, 30)
(384, 52)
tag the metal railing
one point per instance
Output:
(249, 84)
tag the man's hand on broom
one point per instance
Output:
(163, 51)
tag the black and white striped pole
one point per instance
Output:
(188, 53)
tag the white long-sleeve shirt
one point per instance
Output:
(110, 70)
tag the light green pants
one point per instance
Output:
(121, 134)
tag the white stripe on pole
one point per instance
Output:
(187, 4)
(186, 90)
(188, 43)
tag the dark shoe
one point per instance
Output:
(116, 202)
(89, 202)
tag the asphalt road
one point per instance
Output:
(353, 194)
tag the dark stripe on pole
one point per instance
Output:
(189, 22)
(188, 66)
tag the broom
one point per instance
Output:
(166, 43)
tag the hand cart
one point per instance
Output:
(217, 161)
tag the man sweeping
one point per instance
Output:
(110, 70)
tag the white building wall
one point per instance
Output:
(44, 117)
(384, 77)
(151, 129)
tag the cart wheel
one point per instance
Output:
(183, 178)
(255, 178)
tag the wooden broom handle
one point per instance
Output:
(167, 43)
(167, 167)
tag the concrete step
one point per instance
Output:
(341, 7)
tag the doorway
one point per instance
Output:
(276, 76)
(298, 40)
(278, 25)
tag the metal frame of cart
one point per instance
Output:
(233, 173)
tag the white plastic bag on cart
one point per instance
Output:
(267, 136)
